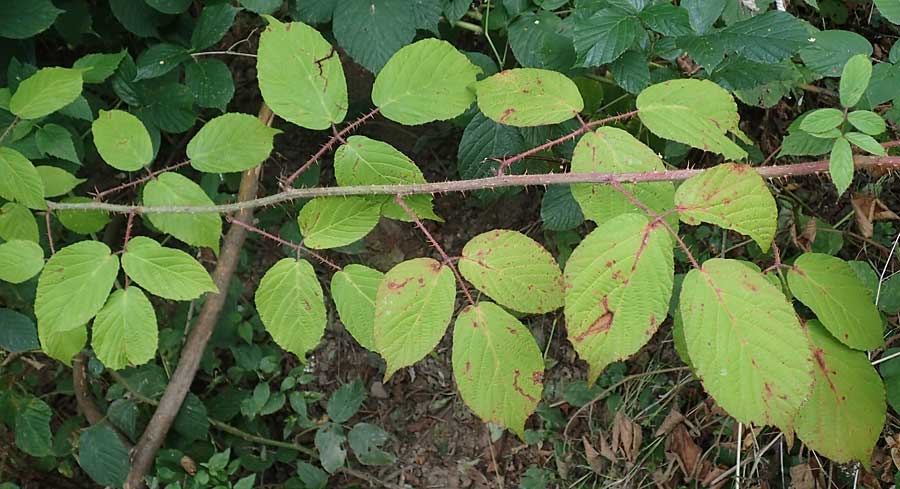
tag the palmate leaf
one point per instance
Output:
(291, 306)
(733, 197)
(745, 343)
(329, 222)
(413, 307)
(844, 416)
(197, 229)
(300, 75)
(423, 82)
(612, 150)
(165, 272)
(525, 97)
(125, 331)
(353, 290)
(618, 286)
(827, 285)
(231, 143)
(497, 365)
(514, 270)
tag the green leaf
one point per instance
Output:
(855, 79)
(694, 112)
(210, 82)
(300, 75)
(745, 343)
(55, 140)
(192, 421)
(346, 401)
(514, 270)
(829, 287)
(769, 37)
(18, 333)
(200, 229)
(329, 440)
(291, 306)
(99, 66)
(889, 300)
(483, 141)
(364, 161)
(366, 440)
(840, 165)
(213, 23)
(866, 142)
(33, 434)
(159, 59)
(62, 345)
(20, 260)
(103, 456)
(603, 37)
(668, 20)
(631, 71)
(703, 13)
(559, 210)
(19, 180)
(498, 367)
(731, 196)
(231, 143)
(169, 6)
(867, 122)
(525, 97)
(137, 17)
(122, 140)
(371, 32)
(845, 413)
(26, 18)
(353, 290)
(17, 222)
(536, 41)
(821, 120)
(45, 92)
(125, 331)
(830, 50)
(330, 222)
(612, 150)
(413, 307)
(618, 284)
(424, 82)
(82, 222)
(166, 272)
(57, 181)
(890, 10)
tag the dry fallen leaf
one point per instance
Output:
(627, 437)
(685, 450)
(869, 209)
(673, 419)
(189, 466)
(802, 477)
(593, 457)
(806, 237)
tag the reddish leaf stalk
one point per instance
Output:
(295, 246)
(133, 183)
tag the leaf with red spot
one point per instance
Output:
(746, 343)
(514, 270)
(413, 307)
(291, 306)
(497, 365)
(845, 413)
(525, 97)
(618, 286)
(731, 196)
(828, 286)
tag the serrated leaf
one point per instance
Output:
(346, 401)
(20, 260)
(821, 120)
(122, 140)
(74, 285)
(867, 122)
(514, 270)
(559, 209)
(483, 142)
(330, 222)
(612, 150)
(498, 367)
(291, 306)
(604, 36)
(371, 32)
(769, 37)
(745, 343)
(353, 290)
(165, 272)
(81, 222)
(866, 143)
(694, 112)
(214, 21)
(845, 413)
(423, 82)
(300, 75)
(19, 180)
(413, 307)
(192, 421)
(26, 17)
(18, 333)
(840, 164)
(731, 196)
(231, 143)
(103, 456)
(125, 330)
(55, 140)
(829, 287)
(525, 97)
(99, 66)
(618, 284)
(829, 51)
(667, 19)
(536, 41)
(57, 181)
(17, 222)
(855, 79)
(210, 82)
(200, 229)
(364, 161)
(32, 432)
(45, 92)
(365, 440)
(62, 345)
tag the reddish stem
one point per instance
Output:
(151, 175)
(49, 232)
(295, 246)
(447, 260)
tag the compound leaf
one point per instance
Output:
(514, 270)
(165, 272)
(20, 260)
(413, 307)
(353, 290)
(329, 222)
(525, 97)
(196, 229)
(125, 331)
(122, 140)
(840, 164)
(231, 143)
(45, 92)
(19, 180)
(855, 79)
(497, 365)
(291, 306)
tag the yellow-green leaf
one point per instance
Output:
(526, 97)
(291, 306)
(19, 180)
(122, 140)
(20, 260)
(329, 222)
(17, 222)
(231, 143)
(125, 331)
(166, 272)
(196, 229)
(57, 181)
(353, 290)
(45, 92)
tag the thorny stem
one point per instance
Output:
(449, 262)
(150, 176)
(295, 246)
(338, 136)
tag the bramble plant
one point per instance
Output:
(779, 341)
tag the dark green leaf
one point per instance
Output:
(346, 401)
(631, 71)
(138, 17)
(213, 23)
(604, 36)
(159, 59)
(17, 332)
(667, 19)
(102, 455)
(829, 51)
(55, 140)
(889, 299)
(329, 441)
(482, 141)
(262, 6)
(366, 440)
(703, 13)
(191, 421)
(373, 31)
(33, 427)
(766, 38)
(169, 6)
(537, 43)
(559, 210)
(210, 82)
(311, 476)
(25, 18)
(427, 14)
